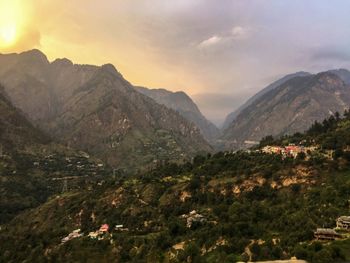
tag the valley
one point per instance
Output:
(95, 168)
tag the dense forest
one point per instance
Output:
(225, 207)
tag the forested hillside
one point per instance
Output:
(220, 208)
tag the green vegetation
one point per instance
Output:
(247, 204)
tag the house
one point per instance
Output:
(343, 222)
(121, 228)
(104, 228)
(293, 150)
(193, 217)
(326, 234)
(272, 149)
(93, 235)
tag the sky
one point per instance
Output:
(220, 52)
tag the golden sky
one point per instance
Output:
(219, 52)
(79, 30)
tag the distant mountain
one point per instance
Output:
(38, 87)
(182, 103)
(230, 118)
(291, 107)
(95, 109)
(344, 74)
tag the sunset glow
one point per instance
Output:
(206, 49)
(7, 34)
(10, 20)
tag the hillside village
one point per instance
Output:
(291, 150)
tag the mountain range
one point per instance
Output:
(93, 108)
(68, 132)
(232, 116)
(96, 110)
(292, 106)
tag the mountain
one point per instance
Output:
(344, 74)
(182, 103)
(291, 107)
(107, 117)
(16, 132)
(232, 116)
(229, 207)
(32, 167)
(96, 110)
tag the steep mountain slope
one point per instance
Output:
(291, 107)
(107, 117)
(232, 116)
(32, 168)
(210, 210)
(342, 73)
(96, 109)
(182, 103)
(39, 87)
(15, 130)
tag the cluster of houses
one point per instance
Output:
(100, 232)
(329, 234)
(193, 217)
(78, 164)
(288, 151)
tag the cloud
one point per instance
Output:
(236, 33)
(210, 42)
(239, 32)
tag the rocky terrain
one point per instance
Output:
(182, 103)
(95, 109)
(291, 107)
(232, 116)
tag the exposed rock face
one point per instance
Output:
(96, 109)
(289, 108)
(182, 103)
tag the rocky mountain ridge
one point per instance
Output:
(95, 109)
(291, 107)
(182, 103)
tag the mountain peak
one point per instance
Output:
(110, 68)
(329, 78)
(62, 62)
(343, 73)
(35, 54)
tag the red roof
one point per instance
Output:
(104, 228)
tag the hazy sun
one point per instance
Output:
(10, 18)
(7, 34)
